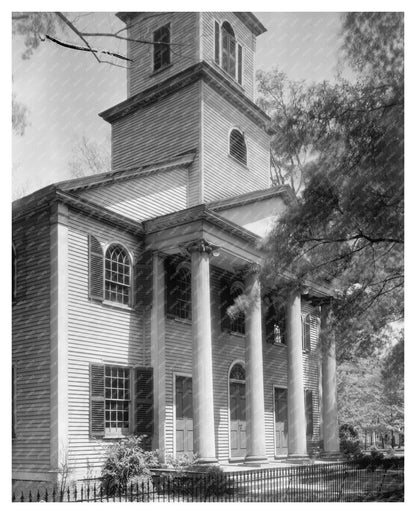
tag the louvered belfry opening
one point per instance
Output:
(238, 148)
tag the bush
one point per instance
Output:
(180, 463)
(126, 461)
(349, 442)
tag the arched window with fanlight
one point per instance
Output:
(117, 275)
(228, 53)
(238, 147)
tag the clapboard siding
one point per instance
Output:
(96, 333)
(144, 197)
(223, 176)
(31, 344)
(184, 50)
(159, 131)
(243, 36)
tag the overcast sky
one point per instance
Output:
(65, 90)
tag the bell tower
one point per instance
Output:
(190, 88)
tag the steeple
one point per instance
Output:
(191, 87)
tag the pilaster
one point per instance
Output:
(59, 335)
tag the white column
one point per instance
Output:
(158, 350)
(295, 390)
(59, 335)
(329, 386)
(202, 385)
(255, 429)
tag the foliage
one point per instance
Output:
(197, 481)
(181, 462)
(19, 116)
(126, 460)
(349, 441)
(88, 158)
(347, 227)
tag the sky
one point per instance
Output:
(64, 90)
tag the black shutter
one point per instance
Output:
(143, 281)
(306, 333)
(143, 393)
(225, 302)
(170, 274)
(96, 268)
(217, 43)
(309, 412)
(240, 64)
(97, 400)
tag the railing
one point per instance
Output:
(339, 482)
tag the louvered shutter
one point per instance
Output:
(96, 268)
(217, 43)
(143, 281)
(143, 392)
(170, 274)
(309, 412)
(306, 333)
(97, 400)
(239, 64)
(225, 302)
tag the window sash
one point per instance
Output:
(161, 48)
(117, 400)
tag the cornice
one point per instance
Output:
(199, 71)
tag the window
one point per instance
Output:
(227, 52)
(309, 412)
(238, 372)
(14, 273)
(306, 333)
(228, 293)
(178, 280)
(237, 323)
(117, 400)
(228, 48)
(111, 400)
(238, 148)
(13, 401)
(275, 323)
(117, 275)
(161, 50)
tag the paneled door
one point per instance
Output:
(280, 420)
(184, 416)
(238, 419)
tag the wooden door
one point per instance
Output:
(184, 416)
(280, 420)
(238, 419)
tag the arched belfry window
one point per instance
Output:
(228, 48)
(117, 275)
(238, 148)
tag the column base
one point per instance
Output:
(206, 461)
(255, 460)
(298, 458)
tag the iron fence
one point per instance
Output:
(335, 482)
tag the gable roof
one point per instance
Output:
(38, 198)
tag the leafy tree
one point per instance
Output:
(347, 227)
(89, 158)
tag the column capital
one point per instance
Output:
(201, 246)
(253, 268)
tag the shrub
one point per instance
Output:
(126, 460)
(349, 442)
(181, 462)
